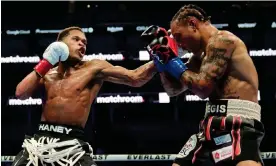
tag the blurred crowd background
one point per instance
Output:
(149, 122)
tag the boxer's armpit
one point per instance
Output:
(135, 78)
(213, 66)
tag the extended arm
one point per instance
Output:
(213, 66)
(134, 78)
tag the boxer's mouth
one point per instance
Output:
(81, 52)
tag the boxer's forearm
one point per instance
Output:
(28, 85)
(197, 83)
(172, 87)
(134, 78)
(175, 87)
(143, 74)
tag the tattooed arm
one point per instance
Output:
(121, 75)
(214, 64)
(174, 87)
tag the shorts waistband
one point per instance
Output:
(60, 130)
(233, 107)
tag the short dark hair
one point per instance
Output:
(191, 11)
(65, 32)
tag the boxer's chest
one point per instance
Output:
(68, 84)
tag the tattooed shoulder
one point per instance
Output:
(225, 39)
(221, 45)
(219, 52)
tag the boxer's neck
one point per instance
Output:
(207, 32)
(67, 66)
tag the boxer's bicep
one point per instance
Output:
(117, 74)
(216, 61)
(212, 68)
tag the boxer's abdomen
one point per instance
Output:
(70, 107)
(233, 88)
(70, 111)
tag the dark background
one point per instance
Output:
(128, 128)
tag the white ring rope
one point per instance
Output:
(139, 157)
(43, 150)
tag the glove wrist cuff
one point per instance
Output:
(176, 67)
(43, 67)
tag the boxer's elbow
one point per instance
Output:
(204, 93)
(203, 90)
(135, 81)
(172, 94)
(20, 92)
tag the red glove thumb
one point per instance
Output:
(171, 44)
(166, 50)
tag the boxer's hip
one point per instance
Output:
(55, 143)
(233, 107)
(231, 115)
(233, 126)
(230, 132)
(63, 132)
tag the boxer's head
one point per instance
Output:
(186, 27)
(75, 39)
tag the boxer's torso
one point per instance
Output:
(240, 80)
(69, 96)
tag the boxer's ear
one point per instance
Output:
(193, 23)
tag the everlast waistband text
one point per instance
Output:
(148, 157)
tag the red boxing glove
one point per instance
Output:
(167, 50)
(153, 32)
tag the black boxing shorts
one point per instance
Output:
(55, 144)
(230, 132)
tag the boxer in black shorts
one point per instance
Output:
(221, 70)
(231, 132)
(70, 88)
(55, 144)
